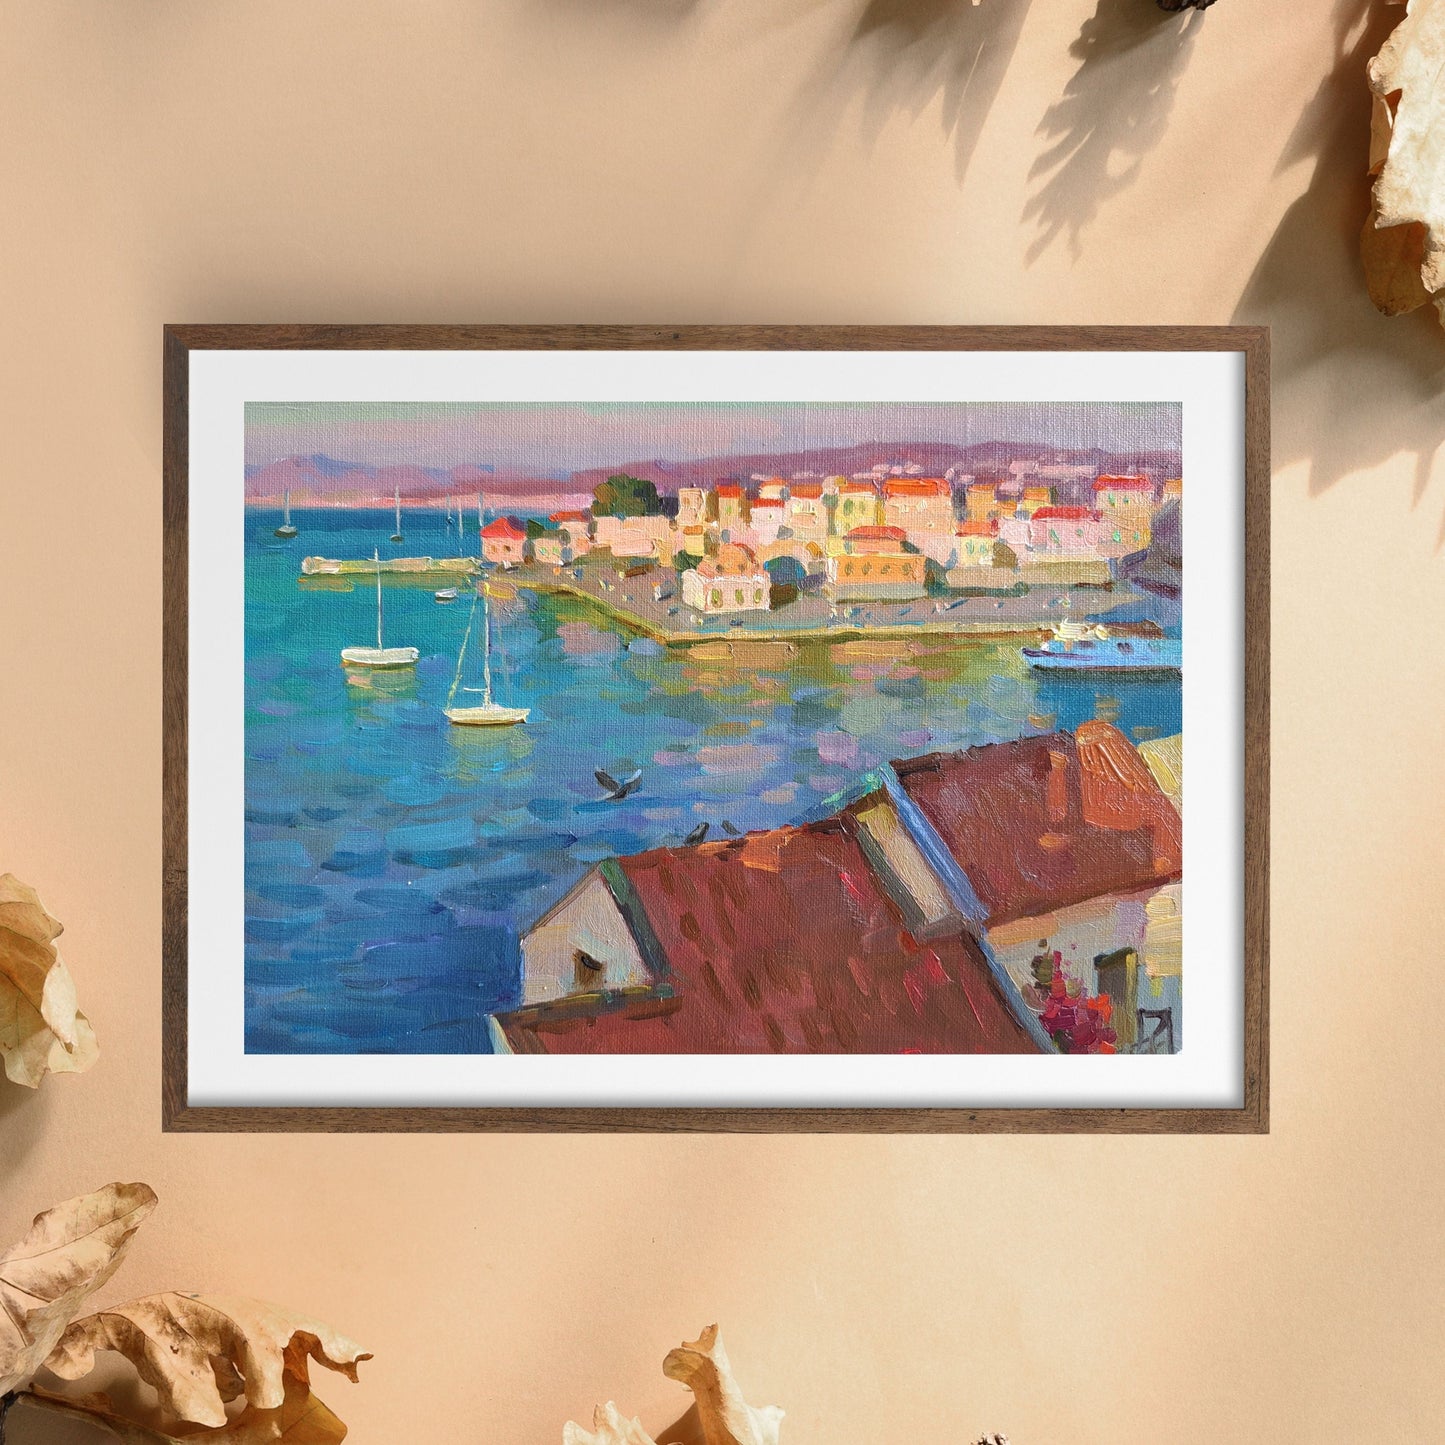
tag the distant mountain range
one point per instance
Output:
(324, 481)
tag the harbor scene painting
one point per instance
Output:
(713, 728)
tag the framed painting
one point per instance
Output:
(733, 728)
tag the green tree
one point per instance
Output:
(624, 496)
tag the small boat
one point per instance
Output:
(487, 713)
(286, 529)
(1107, 654)
(381, 655)
(396, 536)
(445, 594)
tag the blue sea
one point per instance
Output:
(393, 860)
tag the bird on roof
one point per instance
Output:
(696, 836)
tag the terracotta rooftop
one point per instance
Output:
(1047, 822)
(779, 942)
(877, 534)
(506, 528)
(1065, 514)
(1122, 484)
(916, 487)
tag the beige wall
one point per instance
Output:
(746, 160)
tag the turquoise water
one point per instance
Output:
(392, 859)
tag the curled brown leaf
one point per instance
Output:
(199, 1351)
(42, 1031)
(1406, 230)
(68, 1252)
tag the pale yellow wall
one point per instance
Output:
(746, 160)
(589, 919)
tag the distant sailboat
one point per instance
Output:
(380, 655)
(489, 713)
(286, 529)
(396, 497)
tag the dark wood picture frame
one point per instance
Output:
(1252, 1117)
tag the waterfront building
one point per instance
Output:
(1016, 532)
(980, 502)
(918, 505)
(976, 542)
(1056, 531)
(857, 506)
(806, 512)
(876, 567)
(553, 549)
(1126, 505)
(1172, 490)
(732, 508)
(1033, 497)
(731, 580)
(648, 536)
(693, 506)
(577, 527)
(766, 520)
(775, 489)
(689, 538)
(504, 543)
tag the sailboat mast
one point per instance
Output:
(481, 522)
(286, 507)
(376, 554)
(396, 497)
(486, 646)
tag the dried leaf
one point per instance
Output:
(302, 1419)
(69, 1251)
(1410, 187)
(1394, 257)
(41, 1029)
(726, 1418)
(610, 1427)
(723, 1415)
(199, 1351)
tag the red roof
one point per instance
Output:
(808, 490)
(506, 528)
(1122, 484)
(729, 489)
(1051, 821)
(765, 502)
(916, 487)
(877, 534)
(855, 487)
(1066, 514)
(979, 528)
(779, 942)
(570, 517)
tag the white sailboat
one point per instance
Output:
(381, 655)
(396, 498)
(488, 713)
(286, 529)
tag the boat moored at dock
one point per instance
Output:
(1103, 653)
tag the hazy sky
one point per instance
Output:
(551, 439)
